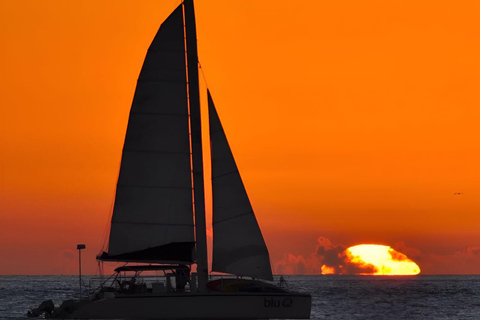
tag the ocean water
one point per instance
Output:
(333, 297)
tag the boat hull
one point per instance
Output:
(197, 306)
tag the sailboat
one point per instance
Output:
(158, 220)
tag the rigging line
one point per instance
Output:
(203, 74)
(234, 217)
(107, 229)
(224, 174)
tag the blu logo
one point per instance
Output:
(277, 303)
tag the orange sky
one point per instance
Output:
(356, 121)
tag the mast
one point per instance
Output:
(196, 143)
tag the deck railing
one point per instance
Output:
(161, 283)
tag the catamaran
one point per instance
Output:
(158, 219)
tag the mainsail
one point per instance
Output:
(153, 212)
(238, 244)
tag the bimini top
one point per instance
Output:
(149, 268)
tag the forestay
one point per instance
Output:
(153, 213)
(238, 244)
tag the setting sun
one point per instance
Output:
(384, 259)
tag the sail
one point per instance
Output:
(153, 212)
(238, 244)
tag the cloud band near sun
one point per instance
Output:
(367, 259)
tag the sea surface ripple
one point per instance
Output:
(333, 297)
